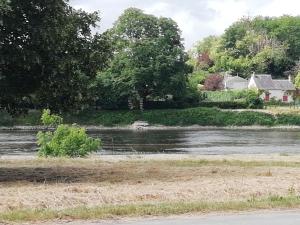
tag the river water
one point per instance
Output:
(201, 141)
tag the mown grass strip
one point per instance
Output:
(98, 162)
(240, 163)
(160, 209)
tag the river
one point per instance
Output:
(200, 141)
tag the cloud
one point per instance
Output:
(196, 18)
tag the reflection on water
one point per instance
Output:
(204, 141)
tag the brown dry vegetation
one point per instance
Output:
(63, 183)
(283, 110)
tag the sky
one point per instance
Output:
(196, 18)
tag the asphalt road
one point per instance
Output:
(255, 218)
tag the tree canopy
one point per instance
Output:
(51, 56)
(149, 60)
(48, 54)
(262, 45)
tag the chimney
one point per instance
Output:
(253, 74)
(290, 78)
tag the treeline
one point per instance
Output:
(51, 58)
(262, 45)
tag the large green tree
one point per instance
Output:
(48, 54)
(149, 59)
(261, 44)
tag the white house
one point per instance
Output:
(234, 82)
(282, 90)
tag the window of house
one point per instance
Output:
(267, 97)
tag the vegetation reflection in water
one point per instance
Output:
(204, 141)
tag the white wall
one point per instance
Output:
(252, 84)
(278, 95)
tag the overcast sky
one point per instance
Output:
(196, 18)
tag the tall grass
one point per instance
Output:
(160, 209)
(226, 96)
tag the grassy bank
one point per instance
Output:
(161, 209)
(168, 117)
(47, 189)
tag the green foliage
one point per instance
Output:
(207, 117)
(201, 54)
(65, 140)
(263, 45)
(175, 117)
(249, 97)
(225, 96)
(197, 77)
(178, 117)
(297, 80)
(288, 119)
(172, 117)
(6, 119)
(70, 141)
(104, 117)
(51, 55)
(4, 7)
(253, 99)
(49, 119)
(225, 105)
(149, 59)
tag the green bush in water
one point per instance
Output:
(65, 141)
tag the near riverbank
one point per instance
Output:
(108, 187)
(169, 117)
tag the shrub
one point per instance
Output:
(49, 119)
(6, 119)
(253, 118)
(197, 77)
(66, 140)
(207, 117)
(253, 99)
(213, 82)
(288, 119)
(226, 105)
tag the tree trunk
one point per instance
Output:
(141, 104)
(130, 104)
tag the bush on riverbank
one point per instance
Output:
(6, 119)
(169, 117)
(288, 119)
(225, 105)
(207, 117)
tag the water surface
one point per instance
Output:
(202, 141)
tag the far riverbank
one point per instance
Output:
(157, 119)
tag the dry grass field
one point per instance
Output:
(283, 110)
(60, 184)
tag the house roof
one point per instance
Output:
(234, 79)
(284, 85)
(265, 82)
